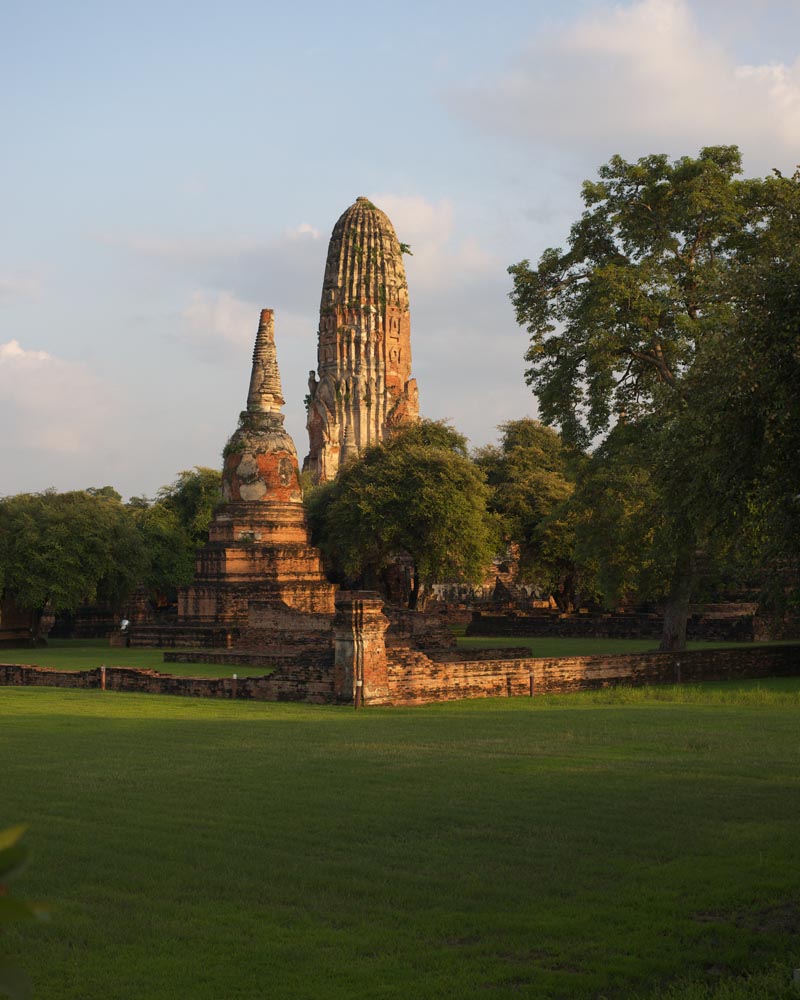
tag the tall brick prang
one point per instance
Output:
(362, 389)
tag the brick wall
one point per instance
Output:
(414, 677)
(312, 683)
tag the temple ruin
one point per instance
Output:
(258, 547)
(362, 389)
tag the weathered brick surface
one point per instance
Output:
(411, 677)
(417, 629)
(415, 677)
(311, 682)
(365, 389)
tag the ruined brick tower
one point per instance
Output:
(258, 547)
(365, 389)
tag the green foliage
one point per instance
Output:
(617, 319)
(64, 549)
(531, 475)
(168, 548)
(644, 322)
(416, 495)
(60, 550)
(192, 498)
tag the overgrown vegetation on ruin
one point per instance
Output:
(611, 844)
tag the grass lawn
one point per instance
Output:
(546, 646)
(628, 843)
(83, 654)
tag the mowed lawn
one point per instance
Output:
(85, 654)
(615, 844)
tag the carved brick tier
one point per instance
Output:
(365, 389)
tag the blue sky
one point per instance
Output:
(169, 169)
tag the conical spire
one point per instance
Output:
(265, 395)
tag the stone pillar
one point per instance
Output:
(360, 668)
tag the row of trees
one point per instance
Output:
(60, 550)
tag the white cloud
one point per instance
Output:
(440, 260)
(305, 229)
(642, 76)
(48, 404)
(214, 316)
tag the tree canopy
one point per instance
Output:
(530, 475)
(418, 496)
(60, 550)
(64, 549)
(642, 332)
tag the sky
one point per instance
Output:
(168, 169)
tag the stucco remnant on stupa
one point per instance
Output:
(362, 389)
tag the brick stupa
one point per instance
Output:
(365, 389)
(258, 546)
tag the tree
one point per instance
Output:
(530, 475)
(59, 550)
(169, 550)
(174, 526)
(632, 325)
(192, 498)
(417, 495)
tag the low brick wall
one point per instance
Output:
(309, 683)
(415, 678)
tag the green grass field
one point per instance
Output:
(629, 843)
(84, 654)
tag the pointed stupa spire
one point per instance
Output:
(265, 395)
(260, 457)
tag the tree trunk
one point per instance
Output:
(676, 609)
(36, 623)
(413, 596)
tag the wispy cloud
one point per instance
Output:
(49, 404)
(213, 316)
(644, 77)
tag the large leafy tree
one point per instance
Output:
(59, 550)
(416, 496)
(192, 498)
(759, 378)
(638, 325)
(530, 475)
(174, 526)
